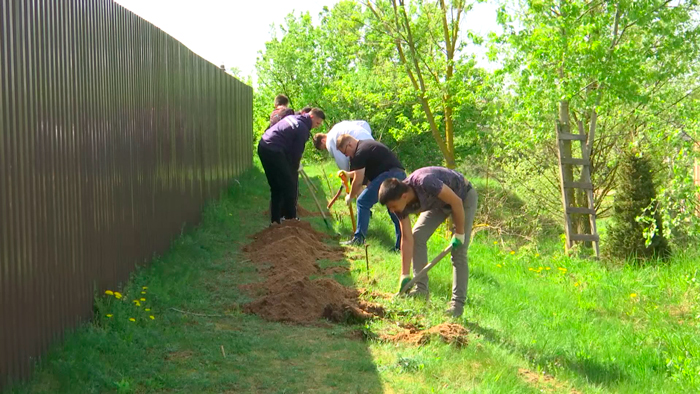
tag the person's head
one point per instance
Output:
(317, 117)
(281, 101)
(305, 110)
(394, 194)
(347, 145)
(320, 141)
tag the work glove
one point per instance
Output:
(341, 173)
(301, 167)
(404, 281)
(457, 240)
(348, 199)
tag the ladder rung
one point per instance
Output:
(585, 237)
(570, 137)
(578, 162)
(587, 211)
(578, 185)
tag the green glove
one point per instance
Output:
(457, 240)
(404, 281)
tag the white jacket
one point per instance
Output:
(359, 129)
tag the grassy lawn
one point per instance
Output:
(538, 321)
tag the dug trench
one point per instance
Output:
(295, 289)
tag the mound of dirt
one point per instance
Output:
(287, 255)
(446, 332)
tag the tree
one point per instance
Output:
(601, 68)
(427, 41)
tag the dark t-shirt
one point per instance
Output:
(427, 183)
(375, 158)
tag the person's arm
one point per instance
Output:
(448, 196)
(358, 178)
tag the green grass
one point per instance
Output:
(590, 326)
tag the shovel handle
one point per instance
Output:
(425, 270)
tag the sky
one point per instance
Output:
(231, 32)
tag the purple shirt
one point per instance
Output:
(427, 183)
(289, 135)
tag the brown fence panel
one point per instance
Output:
(112, 136)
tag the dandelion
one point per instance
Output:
(548, 268)
(530, 269)
(152, 318)
(512, 252)
(537, 255)
(576, 284)
(117, 295)
(147, 309)
(495, 242)
(109, 315)
(145, 288)
(143, 300)
(137, 303)
(633, 295)
(143, 292)
(132, 319)
(109, 292)
(562, 269)
(499, 266)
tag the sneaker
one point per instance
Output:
(355, 241)
(417, 292)
(455, 310)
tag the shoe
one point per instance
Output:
(355, 241)
(455, 310)
(417, 292)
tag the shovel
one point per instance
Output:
(425, 270)
(308, 183)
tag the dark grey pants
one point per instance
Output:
(426, 225)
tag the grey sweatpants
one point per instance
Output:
(426, 225)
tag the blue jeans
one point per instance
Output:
(369, 197)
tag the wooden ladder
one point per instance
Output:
(564, 139)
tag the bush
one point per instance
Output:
(635, 192)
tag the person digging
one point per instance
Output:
(371, 162)
(435, 193)
(358, 129)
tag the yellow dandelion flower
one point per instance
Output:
(145, 288)
(117, 295)
(147, 309)
(109, 315)
(109, 292)
(548, 268)
(530, 269)
(576, 284)
(498, 265)
(143, 300)
(512, 252)
(137, 303)
(132, 319)
(143, 292)
(537, 255)
(495, 242)
(633, 295)
(562, 269)
(540, 268)
(152, 318)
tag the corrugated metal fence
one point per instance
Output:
(112, 135)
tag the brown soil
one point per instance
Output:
(286, 255)
(544, 383)
(301, 212)
(447, 332)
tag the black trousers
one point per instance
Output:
(283, 181)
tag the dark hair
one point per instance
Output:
(391, 189)
(317, 113)
(318, 141)
(281, 100)
(305, 110)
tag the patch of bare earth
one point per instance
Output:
(286, 256)
(447, 332)
(543, 382)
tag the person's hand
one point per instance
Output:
(404, 281)
(457, 240)
(348, 199)
(301, 167)
(341, 174)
